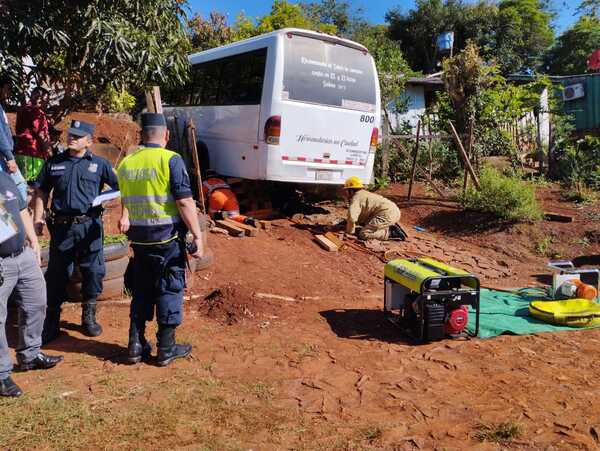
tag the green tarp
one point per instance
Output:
(508, 313)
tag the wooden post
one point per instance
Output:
(469, 153)
(153, 100)
(463, 155)
(414, 163)
(191, 136)
(385, 156)
(157, 99)
(422, 172)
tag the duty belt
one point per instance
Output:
(67, 219)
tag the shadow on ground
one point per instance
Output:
(463, 223)
(363, 324)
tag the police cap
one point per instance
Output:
(153, 120)
(80, 128)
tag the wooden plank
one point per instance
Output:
(557, 217)
(150, 102)
(334, 239)
(233, 230)
(414, 163)
(465, 158)
(248, 230)
(191, 138)
(265, 213)
(325, 243)
(265, 225)
(157, 100)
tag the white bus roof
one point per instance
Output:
(214, 53)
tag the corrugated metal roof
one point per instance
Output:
(586, 110)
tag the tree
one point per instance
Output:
(513, 32)
(211, 32)
(589, 7)
(418, 29)
(392, 68)
(80, 49)
(573, 48)
(336, 13)
(524, 33)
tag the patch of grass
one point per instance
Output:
(498, 433)
(507, 198)
(371, 433)
(544, 246)
(579, 193)
(262, 391)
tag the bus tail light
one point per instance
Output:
(374, 139)
(273, 130)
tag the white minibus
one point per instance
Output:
(292, 105)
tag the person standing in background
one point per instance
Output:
(32, 132)
(7, 157)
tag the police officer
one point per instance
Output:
(74, 178)
(157, 206)
(20, 272)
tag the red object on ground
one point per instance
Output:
(457, 320)
(594, 61)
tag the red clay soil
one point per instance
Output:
(278, 311)
(120, 133)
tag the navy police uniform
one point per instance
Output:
(75, 226)
(151, 180)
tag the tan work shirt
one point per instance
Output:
(365, 205)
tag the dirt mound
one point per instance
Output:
(120, 132)
(232, 304)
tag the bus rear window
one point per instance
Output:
(317, 71)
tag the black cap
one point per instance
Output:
(153, 120)
(80, 128)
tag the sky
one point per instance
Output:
(374, 10)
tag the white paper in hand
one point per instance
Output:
(105, 197)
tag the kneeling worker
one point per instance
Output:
(157, 206)
(377, 215)
(222, 201)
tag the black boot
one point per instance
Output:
(396, 233)
(168, 350)
(51, 325)
(138, 349)
(88, 319)
(9, 389)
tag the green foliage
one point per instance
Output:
(513, 32)
(442, 163)
(507, 198)
(392, 68)
(209, 33)
(573, 48)
(524, 33)
(84, 47)
(336, 13)
(589, 7)
(578, 162)
(118, 100)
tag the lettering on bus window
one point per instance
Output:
(320, 72)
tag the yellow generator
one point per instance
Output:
(429, 299)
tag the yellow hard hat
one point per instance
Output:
(353, 182)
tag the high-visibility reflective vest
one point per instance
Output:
(144, 181)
